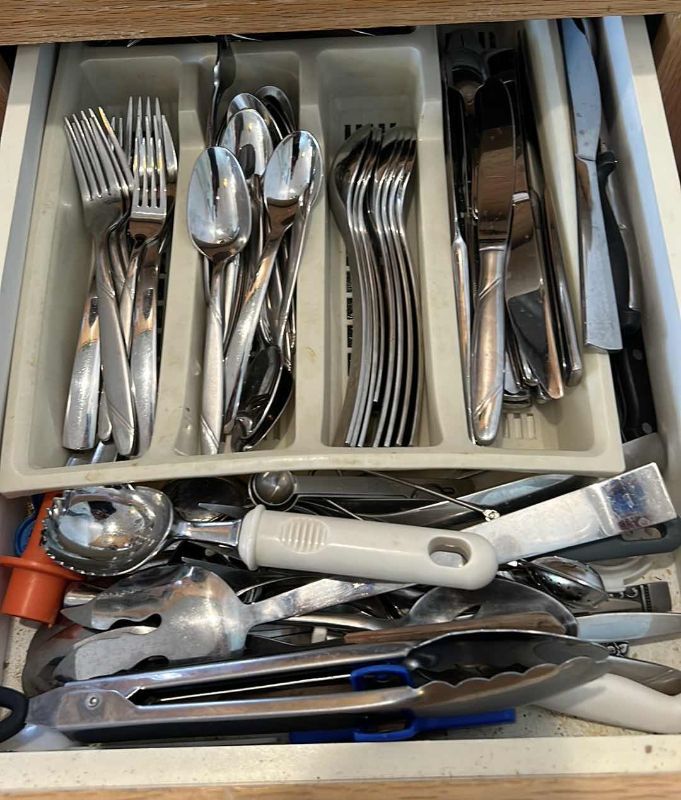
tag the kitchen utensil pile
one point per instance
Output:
(369, 194)
(126, 169)
(427, 625)
(250, 198)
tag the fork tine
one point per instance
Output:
(106, 158)
(81, 128)
(78, 168)
(149, 182)
(160, 160)
(151, 152)
(168, 147)
(120, 159)
(102, 138)
(128, 147)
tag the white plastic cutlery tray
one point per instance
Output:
(337, 84)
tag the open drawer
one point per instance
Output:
(539, 743)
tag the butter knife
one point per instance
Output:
(599, 305)
(494, 199)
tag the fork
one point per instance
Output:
(103, 207)
(117, 244)
(148, 214)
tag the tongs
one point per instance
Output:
(339, 685)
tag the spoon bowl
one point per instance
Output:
(245, 100)
(277, 101)
(218, 205)
(573, 583)
(248, 137)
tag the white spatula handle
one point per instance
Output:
(376, 550)
(614, 700)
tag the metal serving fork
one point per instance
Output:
(103, 206)
(147, 220)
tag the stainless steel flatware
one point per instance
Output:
(101, 191)
(224, 72)
(621, 626)
(219, 220)
(369, 194)
(287, 180)
(601, 322)
(269, 377)
(493, 198)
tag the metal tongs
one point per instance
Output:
(463, 673)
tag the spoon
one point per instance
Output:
(287, 182)
(219, 220)
(443, 604)
(269, 378)
(245, 100)
(278, 102)
(224, 72)
(247, 136)
(573, 583)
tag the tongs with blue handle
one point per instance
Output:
(301, 690)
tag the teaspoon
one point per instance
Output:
(287, 181)
(219, 220)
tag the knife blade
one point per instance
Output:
(637, 626)
(599, 304)
(494, 196)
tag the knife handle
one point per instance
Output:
(462, 289)
(630, 318)
(564, 315)
(599, 305)
(487, 351)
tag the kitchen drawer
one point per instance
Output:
(539, 743)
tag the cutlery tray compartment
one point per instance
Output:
(337, 84)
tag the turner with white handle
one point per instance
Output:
(614, 700)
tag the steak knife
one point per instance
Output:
(494, 196)
(599, 304)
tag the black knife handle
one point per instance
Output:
(630, 319)
(633, 391)
(619, 547)
(17, 705)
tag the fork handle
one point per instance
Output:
(212, 392)
(80, 420)
(117, 382)
(144, 347)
